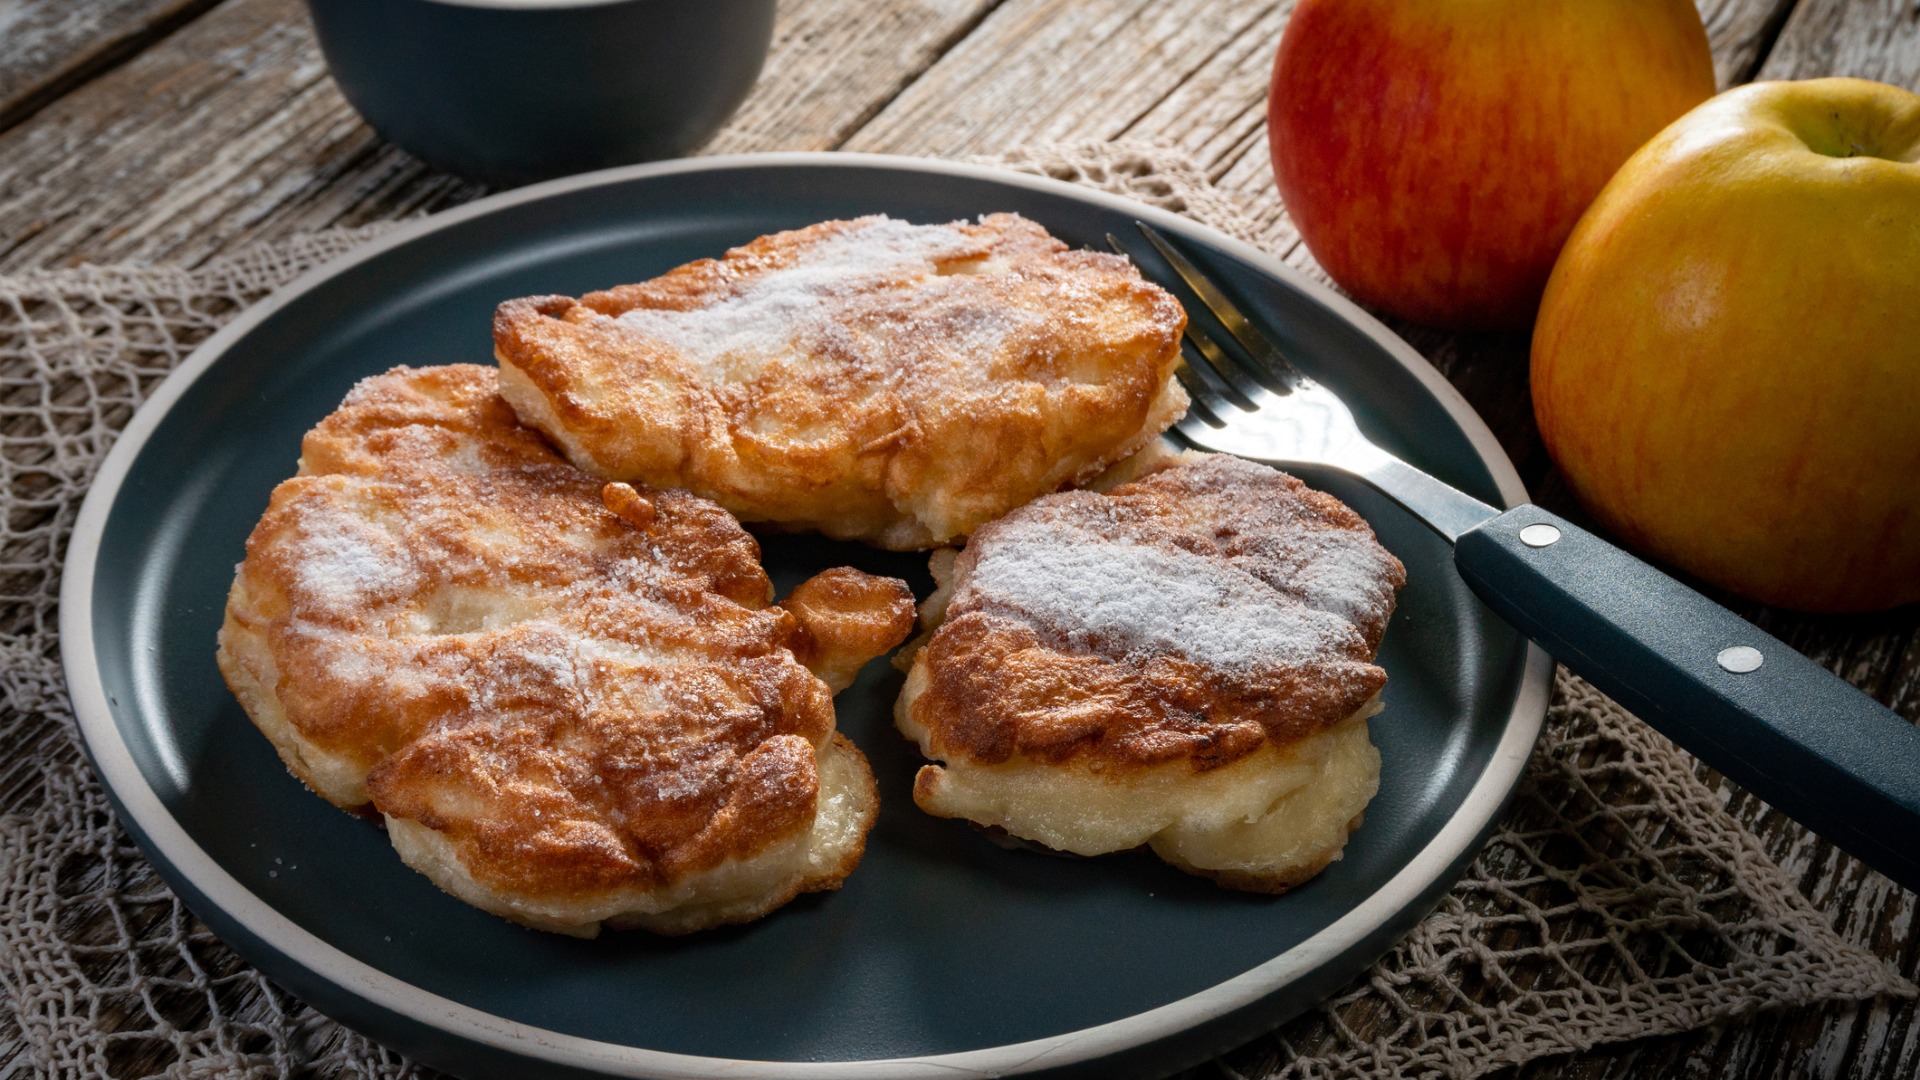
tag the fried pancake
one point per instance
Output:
(869, 379)
(1185, 661)
(569, 699)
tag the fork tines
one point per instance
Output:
(1217, 383)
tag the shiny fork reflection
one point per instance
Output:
(1266, 409)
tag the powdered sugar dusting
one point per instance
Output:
(458, 630)
(777, 313)
(1220, 561)
(1338, 572)
(343, 564)
(1125, 599)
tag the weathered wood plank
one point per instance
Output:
(1231, 109)
(193, 145)
(1213, 104)
(1741, 32)
(1036, 70)
(834, 65)
(280, 152)
(48, 47)
(1867, 39)
(231, 132)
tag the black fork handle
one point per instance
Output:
(1773, 721)
(1786, 729)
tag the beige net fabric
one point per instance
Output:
(1617, 899)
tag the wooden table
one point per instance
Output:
(177, 130)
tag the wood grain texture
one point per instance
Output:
(1741, 32)
(1867, 39)
(229, 132)
(47, 47)
(835, 64)
(1038, 70)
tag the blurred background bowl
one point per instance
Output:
(512, 91)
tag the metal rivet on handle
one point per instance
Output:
(1740, 659)
(1539, 535)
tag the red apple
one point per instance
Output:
(1727, 362)
(1435, 153)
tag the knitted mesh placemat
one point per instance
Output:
(1617, 899)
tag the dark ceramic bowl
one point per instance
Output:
(511, 91)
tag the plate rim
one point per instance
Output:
(166, 841)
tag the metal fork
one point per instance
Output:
(1747, 704)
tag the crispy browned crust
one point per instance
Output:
(905, 411)
(867, 802)
(579, 699)
(1001, 684)
(846, 618)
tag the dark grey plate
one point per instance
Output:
(943, 955)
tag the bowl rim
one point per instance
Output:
(530, 5)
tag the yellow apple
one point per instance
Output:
(1726, 365)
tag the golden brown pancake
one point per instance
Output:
(569, 699)
(1185, 661)
(869, 379)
